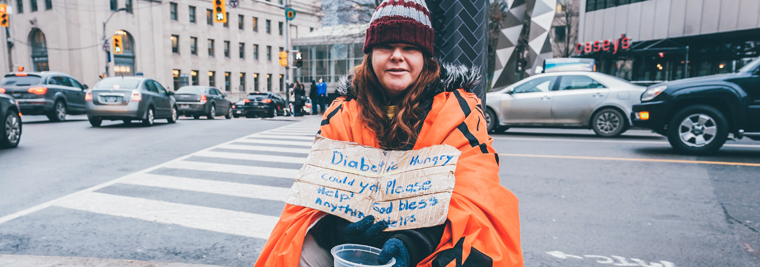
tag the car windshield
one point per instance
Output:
(241, 102)
(257, 97)
(190, 90)
(20, 80)
(751, 65)
(118, 83)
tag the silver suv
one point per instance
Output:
(54, 94)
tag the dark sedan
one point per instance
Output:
(263, 104)
(11, 121)
(48, 93)
(200, 101)
(238, 109)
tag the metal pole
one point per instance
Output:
(104, 42)
(287, 50)
(686, 64)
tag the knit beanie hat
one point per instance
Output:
(401, 21)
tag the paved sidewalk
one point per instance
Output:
(51, 261)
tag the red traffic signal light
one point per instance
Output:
(3, 15)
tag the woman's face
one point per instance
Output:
(397, 66)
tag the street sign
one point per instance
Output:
(234, 3)
(290, 14)
(106, 47)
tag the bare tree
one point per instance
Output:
(356, 11)
(569, 18)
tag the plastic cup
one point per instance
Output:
(353, 255)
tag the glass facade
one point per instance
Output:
(593, 5)
(329, 61)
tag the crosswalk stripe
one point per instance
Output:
(309, 138)
(267, 158)
(238, 169)
(210, 219)
(291, 133)
(276, 142)
(209, 186)
(266, 148)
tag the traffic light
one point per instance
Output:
(3, 15)
(220, 13)
(117, 45)
(298, 62)
(284, 58)
(20, 68)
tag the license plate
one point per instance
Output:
(184, 106)
(110, 99)
(16, 95)
(238, 112)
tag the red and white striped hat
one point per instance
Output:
(401, 21)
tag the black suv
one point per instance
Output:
(262, 104)
(697, 114)
(54, 94)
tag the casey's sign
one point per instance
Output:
(623, 43)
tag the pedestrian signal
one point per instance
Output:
(284, 58)
(298, 62)
(3, 15)
(220, 13)
(117, 45)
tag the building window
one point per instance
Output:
(191, 12)
(279, 2)
(559, 34)
(114, 5)
(20, 6)
(255, 24)
(227, 81)
(175, 44)
(255, 81)
(212, 78)
(211, 47)
(39, 51)
(209, 17)
(227, 22)
(241, 50)
(33, 5)
(194, 77)
(311, 29)
(282, 82)
(173, 11)
(226, 48)
(48, 4)
(176, 79)
(242, 81)
(255, 52)
(194, 46)
(128, 6)
(280, 27)
(269, 82)
(593, 5)
(240, 22)
(269, 26)
(269, 53)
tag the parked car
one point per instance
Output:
(238, 109)
(54, 94)
(11, 121)
(130, 98)
(263, 104)
(564, 100)
(200, 101)
(697, 114)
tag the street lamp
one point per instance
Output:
(105, 38)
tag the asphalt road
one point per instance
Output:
(207, 192)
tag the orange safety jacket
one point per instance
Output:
(483, 227)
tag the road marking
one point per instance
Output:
(609, 260)
(604, 141)
(209, 186)
(276, 142)
(267, 148)
(284, 137)
(636, 159)
(211, 219)
(237, 169)
(254, 157)
(291, 133)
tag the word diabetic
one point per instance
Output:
(339, 159)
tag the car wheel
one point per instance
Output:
(59, 112)
(95, 122)
(149, 118)
(491, 120)
(196, 117)
(229, 114)
(698, 129)
(608, 122)
(127, 121)
(11, 130)
(174, 116)
(211, 113)
(273, 113)
(236, 116)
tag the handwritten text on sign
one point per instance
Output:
(409, 189)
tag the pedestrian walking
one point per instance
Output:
(401, 98)
(299, 98)
(313, 96)
(322, 95)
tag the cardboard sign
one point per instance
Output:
(409, 189)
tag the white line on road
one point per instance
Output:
(276, 142)
(238, 169)
(211, 219)
(291, 133)
(254, 157)
(268, 136)
(209, 186)
(602, 141)
(266, 148)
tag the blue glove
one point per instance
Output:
(394, 248)
(362, 231)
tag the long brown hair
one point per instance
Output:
(401, 130)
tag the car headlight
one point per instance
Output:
(652, 92)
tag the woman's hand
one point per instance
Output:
(394, 248)
(362, 231)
